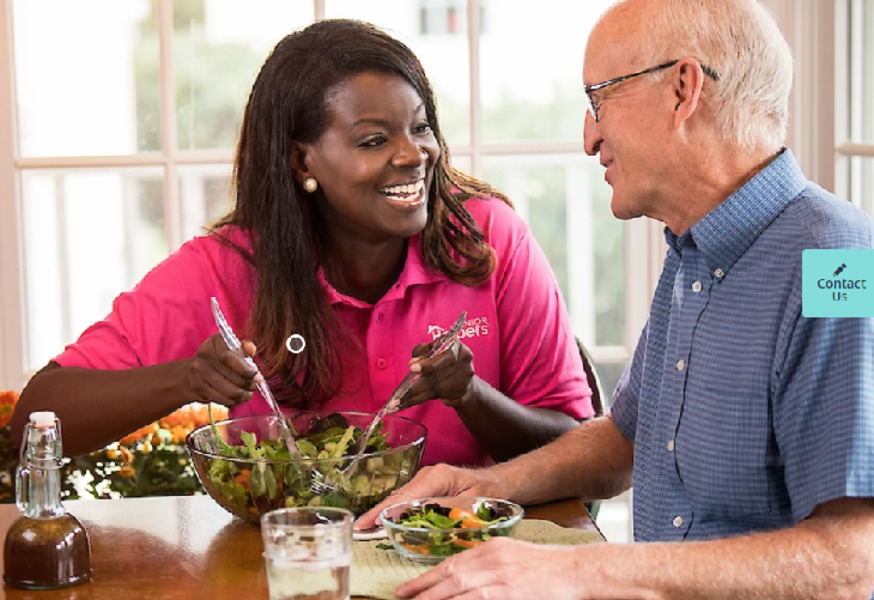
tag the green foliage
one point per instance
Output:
(164, 470)
(116, 471)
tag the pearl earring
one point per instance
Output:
(310, 184)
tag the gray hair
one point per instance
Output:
(740, 40)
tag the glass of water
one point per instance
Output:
(308, 551)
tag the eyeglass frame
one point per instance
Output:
(595, 106)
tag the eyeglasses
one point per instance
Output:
(595, 104)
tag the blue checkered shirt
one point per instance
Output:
(744, 414)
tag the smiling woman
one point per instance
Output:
(375, 165)
(352, 230)
(140, 144)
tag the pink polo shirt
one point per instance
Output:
(517, 328)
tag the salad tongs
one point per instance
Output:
(233, 343)
(322, 484)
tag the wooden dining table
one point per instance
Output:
(181, 547)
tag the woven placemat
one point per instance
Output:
(376, 572)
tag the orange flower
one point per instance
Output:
(178, 418)
(127, 471)
(201, 415)
(139, 434)
(125, 455)
(177, 434)
(7, 406)
(192, 416)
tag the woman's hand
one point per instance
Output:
(221, 375)
(447, 376)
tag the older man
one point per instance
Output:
(748, 428)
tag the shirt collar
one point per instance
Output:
(726, 232)
(415, 272)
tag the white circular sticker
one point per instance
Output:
(295, 343)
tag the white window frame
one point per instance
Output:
(12, 333)
(809, 27)
(819, 131)
(812, 28)
(846, 147)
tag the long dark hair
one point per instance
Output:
(287, 102)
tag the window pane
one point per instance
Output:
(610, 373)
(205, 192)
(861, 16)
(88, 235)
(462, 162)
(443, 51)
(531, 70)
(85, 80)
(862, 182)
(566, 203)
(219, 46)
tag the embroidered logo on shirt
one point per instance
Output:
(473, 327)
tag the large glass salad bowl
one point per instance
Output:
(244, 465)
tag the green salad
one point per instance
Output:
(258, 476)
(443, 531)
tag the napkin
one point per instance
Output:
(376, 572)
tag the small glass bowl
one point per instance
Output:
(422, 544)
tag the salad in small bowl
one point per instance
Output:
(431, 529)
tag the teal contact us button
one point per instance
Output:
(837, 283)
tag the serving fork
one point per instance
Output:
(324, 484)
(233, 343)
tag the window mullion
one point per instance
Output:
(473, 41)
(855, 72)
(169, 137)
(644, 254)
(853, 94)
(855, 149)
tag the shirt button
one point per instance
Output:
(381, 363)
(379, 317)
(696, 287)
(678, 521)
(719, 273)
(681, 364)
(671, 446)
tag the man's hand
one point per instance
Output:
(437, 480)
(503, 568)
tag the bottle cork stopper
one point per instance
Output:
(42, 419)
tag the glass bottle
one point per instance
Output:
(46, 547)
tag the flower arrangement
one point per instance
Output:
(8, 450)
(151, 461)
